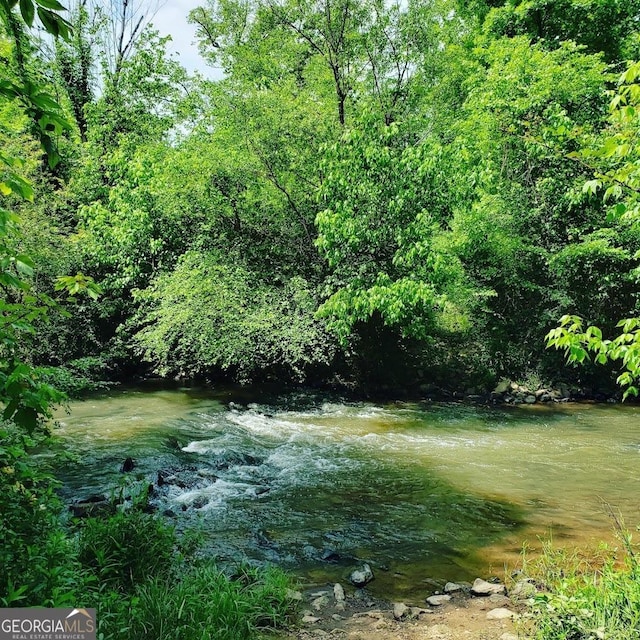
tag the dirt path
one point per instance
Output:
(359, 618)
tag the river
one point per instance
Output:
(424, 492)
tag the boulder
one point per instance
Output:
(452, 587)
(338, 593)
(483, 588)
(530, 399)
(362, 576)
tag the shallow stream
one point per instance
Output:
(424, 492)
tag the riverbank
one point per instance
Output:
(451, 616)
(509, 391)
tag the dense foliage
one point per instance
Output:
(371, 194)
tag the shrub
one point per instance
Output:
(36, 556)
(207, 316)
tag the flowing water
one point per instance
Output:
(423, 492)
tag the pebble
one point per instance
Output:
(310, 619)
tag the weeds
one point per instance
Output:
(587, 596)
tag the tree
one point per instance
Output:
(25, 397)
(601, 26)
(615, 157)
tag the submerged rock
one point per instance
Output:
(128, 465)
(236, 459)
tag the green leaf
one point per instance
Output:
(50, 21)
(51, 4)
(45, 102)
(24, 264)
(27, 10)
(591, 186)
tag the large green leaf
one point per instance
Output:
(27, 10)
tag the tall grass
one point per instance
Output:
(587, 596)
(127, 548)
(145, 588)
(205, 604)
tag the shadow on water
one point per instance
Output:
(413, 528)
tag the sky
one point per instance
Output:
(171, 20)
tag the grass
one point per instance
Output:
(587, 595)
(205, 604)
(146, 588)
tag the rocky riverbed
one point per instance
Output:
(479, 611)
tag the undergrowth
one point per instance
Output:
(587, 595)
